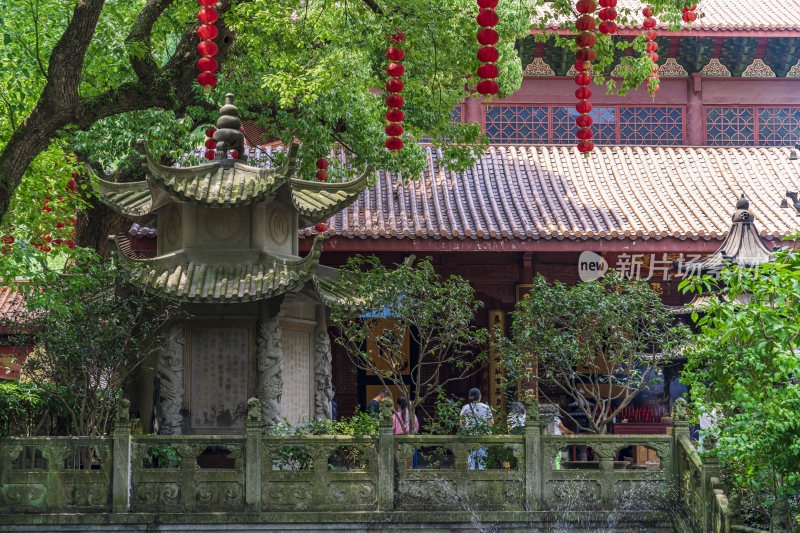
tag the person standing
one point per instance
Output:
(476, 419)
(374, 405)
(401, 425)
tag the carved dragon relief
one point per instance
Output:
(170, 370)
(270, 370)
(322, 376)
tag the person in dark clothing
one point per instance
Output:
(374, 405)
(334, 407)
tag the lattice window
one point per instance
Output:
(730, 126)
(517, 124)
(604, 126)
(651, 125)
(778, 126)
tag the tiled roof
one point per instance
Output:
(10, 301)
(727, 15)
(193, 279)
(553, 192)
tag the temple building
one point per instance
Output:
(227, 248)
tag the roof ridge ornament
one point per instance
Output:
(742, 213)
(229, 134)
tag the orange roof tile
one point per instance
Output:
(552, 192)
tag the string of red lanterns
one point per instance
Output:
(608, 15)
(207, 32)
(650, 34)
(487, 37)
(211, 144)
(394, 86)
(584, 55)
(689, 14)
(322, 172)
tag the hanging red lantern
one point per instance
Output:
(649, 22)
(488, 71)
(394, 130)
(488, 37)
(395, 69)
(209, 79)
(394, 85)
(321, 227)
(488, 87)
(583, 93)
(582, 66)
(651, 46)
(586, 39)
(586, 6)
(395, 54)
(585, 147)
(207, 48)
(397, 37)
(584, 121)
(586, 54)
(487, 4)
(209, 155)
(650, 34)
(394, 115)
(653, 56)
(211, 131)
(394, 143)
(207, 64)
(646, 12)
(583, 78)
(322, 175)
(394, 100)
(211, 144)
(207, 3)
(586, 23)
(583, 106)
(689, 17)
(322, 163)
(487, 18)
(488, 54)
(608, 27)
(207, 15)
(207, 31)
(608, 3)
(584, 133)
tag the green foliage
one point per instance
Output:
(25, 408)
(91, 331)
(745, 363)
(447, 414)
(596, 342)
(359, 425)
(163, 456)
(418, 309)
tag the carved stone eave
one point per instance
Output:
(538, 67)
(794, 72)
(758, 69)
(715, 69)
(672, 69)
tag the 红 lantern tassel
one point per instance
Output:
(207, 65)
(650, 34)
(584, 55)
(394, 86)
(488, 55)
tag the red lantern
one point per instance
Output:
(398, 37)
(488, 54)
(209, 155)
(488, 71)
(653, 56)
(584, 121)
(207, 3)
(650, 35)
(649, 23)
(689, 16)
(585, 54)
(487, 4)
(322, 163)
(583, 78)
(586, 23)
(584, 106)
(207, 48)
(394, 100)
(608, 3)
(394, 85)
(211, 144)
(488, 37)
(234, 154)
(322, 175)
(395, 69)
(207, 31)
(395, 115)
(394, 130)
(207, 15)
(585, 39)
(207, 78)
(582, 66)
(585, 146)
(207, 64)
(395, 54)
(651, 46)
(211, 131)
(584, 133)
(583, 93)
(586, 6)
(394, 143)
(646, 12)
(321, 228)
(608, 28)
(488, 87)
(487, 18)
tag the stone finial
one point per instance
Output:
(386, 410)
(254, 411)
(742, 213)
(680, 410)
(123, 413)
(229, 135)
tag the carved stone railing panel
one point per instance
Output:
(39, 474)
(306, 473)
(187, 487)
(454, 485)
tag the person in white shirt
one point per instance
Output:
(476, 419)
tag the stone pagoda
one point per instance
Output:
(228, 248)
(742, 247)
